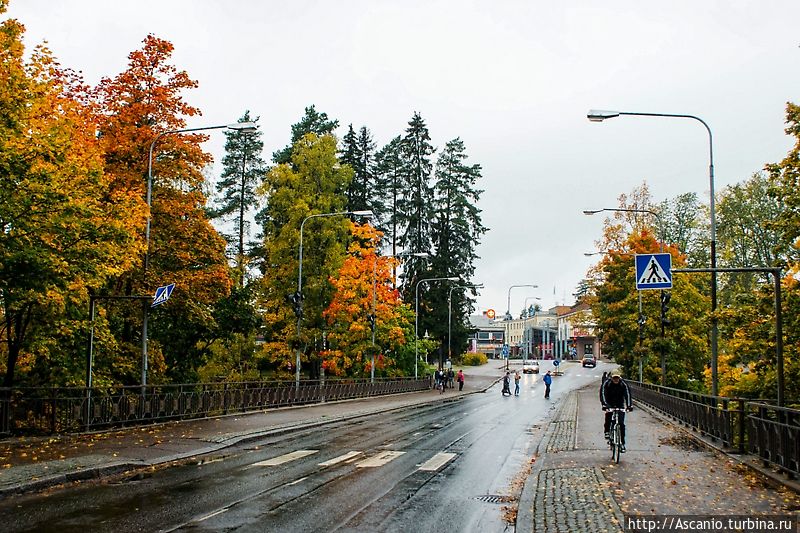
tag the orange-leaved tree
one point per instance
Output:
(139, 104)
(363, 289)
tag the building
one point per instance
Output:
(562, 332)
(489, 336)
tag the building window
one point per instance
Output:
(588, 349)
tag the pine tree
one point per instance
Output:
(243, 169)
(312, 122)
(456, 233)
(388, 164)
(415, 203)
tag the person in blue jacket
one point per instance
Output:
(548, 379)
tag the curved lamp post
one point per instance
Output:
(299, 295)
(243, 127)
(595, 115)
(416, 320)
(508, 306)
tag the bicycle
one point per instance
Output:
(615, 433)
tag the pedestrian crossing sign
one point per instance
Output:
(653, 271)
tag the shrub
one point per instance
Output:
(474, 359)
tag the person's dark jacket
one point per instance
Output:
(616, 395)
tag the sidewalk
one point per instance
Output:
(574, 486)
(29, 464)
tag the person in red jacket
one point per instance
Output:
(460, 379)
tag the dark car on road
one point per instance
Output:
(589, 360)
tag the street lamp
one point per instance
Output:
(416, 320)
(243, 127)
(298, 300)
(599, 116)
(508, 307)
(450, 310)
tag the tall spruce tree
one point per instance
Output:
(415, 202)
(243, 168)
(456, 233)
(388, 164)
(312, 122)
(364, 192)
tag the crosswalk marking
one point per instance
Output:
(345, 457)
(436, 462)
(285, 458)
(379, 460)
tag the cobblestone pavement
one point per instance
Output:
(573, 499)
(574, 485)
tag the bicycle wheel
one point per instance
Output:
(615, 453)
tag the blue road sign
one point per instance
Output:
(505, 350)
(653, 271)
(162, 294)
(556, 362)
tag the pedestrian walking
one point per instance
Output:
(450, 378)
(548, 379)
(507, 384)
(516, 383)
(460, 379)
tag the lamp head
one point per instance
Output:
(599, 115)
(591, 211)
(243, 127)
(366, 213)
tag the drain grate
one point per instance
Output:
(495, 498)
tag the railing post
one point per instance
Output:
(742, 421)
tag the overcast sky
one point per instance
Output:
(512, 79)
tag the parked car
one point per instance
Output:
(529, 366)
(589, 360)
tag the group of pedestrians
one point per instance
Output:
(547, 379)
(444, 379)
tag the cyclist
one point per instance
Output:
(614, 393)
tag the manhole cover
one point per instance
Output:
(495, 498)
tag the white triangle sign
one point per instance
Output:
(653, 274)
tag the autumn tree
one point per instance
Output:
(311, 184)
(63, 229)
(137, 105)
(363, 289)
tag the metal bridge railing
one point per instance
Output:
(764, 430)
(44, 411)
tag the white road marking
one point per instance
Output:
(345, 457)
(437, 461)
(379, 460)
(296, 481)
(285, 458)
(211, 515)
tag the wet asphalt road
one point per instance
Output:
(439, 467)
